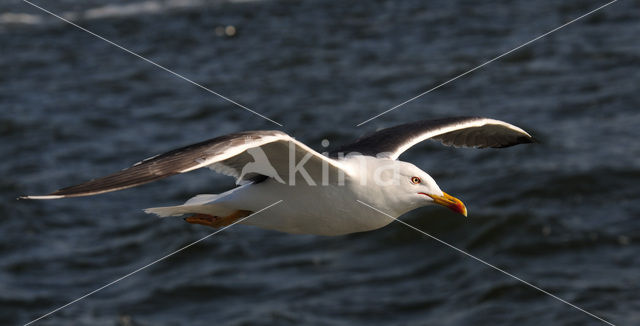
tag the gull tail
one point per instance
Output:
(201, 204)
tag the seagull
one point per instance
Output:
(321, 194)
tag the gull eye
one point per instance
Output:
(415, 180)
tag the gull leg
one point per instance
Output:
(217, 221)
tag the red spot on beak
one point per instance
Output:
(449, 201)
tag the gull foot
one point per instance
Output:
(217, 221)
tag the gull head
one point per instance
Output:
(407, 187)
(422, 190)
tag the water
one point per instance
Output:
(562, 214)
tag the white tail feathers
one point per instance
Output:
(213, 209)
(166, 211)
(201, 199)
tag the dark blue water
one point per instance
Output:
(562, 214)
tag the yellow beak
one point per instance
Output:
(451, 202)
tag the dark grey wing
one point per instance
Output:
(180, 160)
(459, 131)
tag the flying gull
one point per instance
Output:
(320, 193)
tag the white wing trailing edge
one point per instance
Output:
(460, 132)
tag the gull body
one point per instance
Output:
(323, 209)
(317, 194)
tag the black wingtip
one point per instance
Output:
(518, 141)
(525, 140)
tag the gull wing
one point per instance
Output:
(248, 156)
(459, 131)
